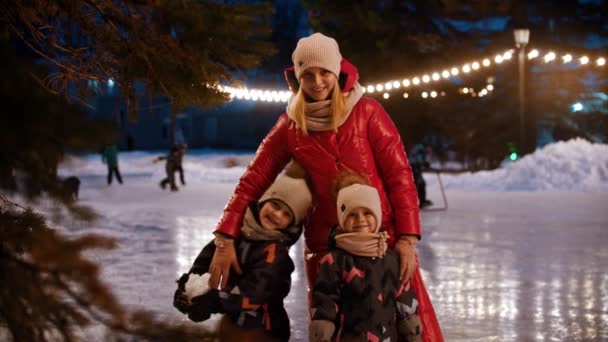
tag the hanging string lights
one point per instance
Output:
(385, 89)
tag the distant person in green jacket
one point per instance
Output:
(109, 157)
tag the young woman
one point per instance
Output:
(329, 128)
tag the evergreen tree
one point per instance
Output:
(53, 52)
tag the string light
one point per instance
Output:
(532, 54)
(549, 57)
(384, 88)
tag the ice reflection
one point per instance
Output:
(509, 273)
(192, 233)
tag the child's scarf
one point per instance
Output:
(363, 244)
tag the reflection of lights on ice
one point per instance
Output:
(191, 235)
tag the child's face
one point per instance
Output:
(360, 220)
(275, 215)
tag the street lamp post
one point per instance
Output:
(522, 36)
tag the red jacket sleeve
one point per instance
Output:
(270, 158)
(395, 170)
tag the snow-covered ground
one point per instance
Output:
(519, 254)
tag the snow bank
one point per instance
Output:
(574, 165)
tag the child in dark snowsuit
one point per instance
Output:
(173, 162)
(358, 295)
(253, 301)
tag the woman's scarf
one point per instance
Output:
(253, 230)
(363, 244)
(318, 114)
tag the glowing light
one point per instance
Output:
(426, 78)
(396, 84)
(498, 59)
(486, 62)
(433, 94)
(490, 87)
(533, 54)
(577, 107)
(445, 74)
(465, 90)
(388, 86)
(370, 89)
(435, 76)
(110, 83)
(416, 81)
(601, 61)
(443, 93)
(507, 55)
(406, 82)
(475, 65)
(454, 71)
(385, 95)
(406, 95)
(584, 60)
(466, 68)
(567, 58)
(425, 94)
(549, 57)
(379, 87)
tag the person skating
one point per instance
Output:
(109, 156)
(172, 162)
(253, 301)
(360, 271)
(419, 161)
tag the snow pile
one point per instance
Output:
(574, 165)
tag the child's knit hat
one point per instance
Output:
(292, 191)
(355, 196)
(316, 50)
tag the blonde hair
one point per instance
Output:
(337, 110)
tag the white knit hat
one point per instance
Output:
(317, 50)
(292, 191)
(359, 195)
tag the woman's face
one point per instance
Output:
(317, 83)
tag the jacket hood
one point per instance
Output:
(349, 75)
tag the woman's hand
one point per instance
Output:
(223, 259)
(406, 248)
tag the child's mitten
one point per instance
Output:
(204, 305)
(410, 328)
(320, 330)
(180, 299)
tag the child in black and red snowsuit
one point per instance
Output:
(253, 301)
(358, 295)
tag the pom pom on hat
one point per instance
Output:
(317, 50)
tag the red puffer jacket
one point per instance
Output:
(367, 143)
